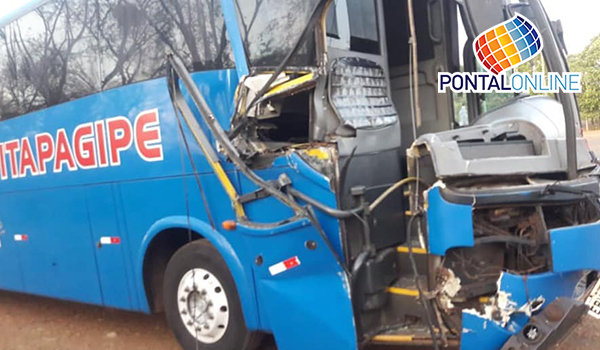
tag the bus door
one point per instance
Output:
(51, 233)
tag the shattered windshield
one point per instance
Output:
(270, 29)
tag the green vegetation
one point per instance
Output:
(588, 62)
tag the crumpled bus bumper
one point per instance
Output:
(574, 250)
(549, 327)
(524, 330)
(530, 311)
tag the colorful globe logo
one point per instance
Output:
(508, 45)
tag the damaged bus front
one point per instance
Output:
(368, 211)
(513, 211)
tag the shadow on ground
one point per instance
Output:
(36, 323)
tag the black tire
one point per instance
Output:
(201, 254)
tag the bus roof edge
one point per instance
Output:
(21, 11)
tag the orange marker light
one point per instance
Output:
(229, 225)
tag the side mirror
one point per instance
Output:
(557, 27)
(522, 8)
(484, 14)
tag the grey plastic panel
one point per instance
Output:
(472, 151)
(538, 119)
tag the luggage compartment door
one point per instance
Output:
(51, 232)
(109, 246)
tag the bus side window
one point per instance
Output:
(68, 49)
(134, 40)
(364, 29)
(48, 57)
(9, 103)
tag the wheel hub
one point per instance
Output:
(203, 305)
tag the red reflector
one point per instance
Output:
(293, 262)
(284, 266)
(110, 240)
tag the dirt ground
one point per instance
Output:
(34, 323)
(593, 138)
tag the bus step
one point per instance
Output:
(405, 286)
(404, 263)
(403, 296)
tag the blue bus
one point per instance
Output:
(288, 167)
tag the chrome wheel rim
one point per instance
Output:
(203, 305)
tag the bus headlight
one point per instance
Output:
(360, 94)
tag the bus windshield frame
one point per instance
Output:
(270, 28)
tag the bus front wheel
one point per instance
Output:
(201, 301)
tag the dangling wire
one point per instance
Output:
(415, 62)
(415, 109)
(183, 139)
(189, 228)
(411, 91)
(196, 175)
(417, 282)
(413, 84)
(187, 207)
(186, 194)
(416, 121)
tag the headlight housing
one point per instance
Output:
(359, 92)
